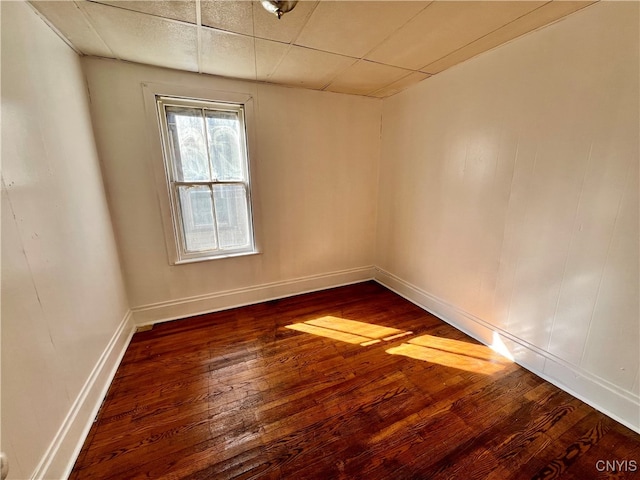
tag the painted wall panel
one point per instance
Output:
(608, 348)
(315, 175)
(62, 292)
(607, 172)
(509, 190)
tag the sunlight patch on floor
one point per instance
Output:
(446, 359)
(460, 347)
(350, 331)
(452, 353)
(325, 332)
(447, 352)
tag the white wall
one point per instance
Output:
(316, 157)
(509, 201)
(63, 299)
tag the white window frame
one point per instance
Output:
(156, 97)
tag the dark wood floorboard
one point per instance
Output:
(240, 395)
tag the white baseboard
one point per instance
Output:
(198, 305)
(619, 404)
(63, 451)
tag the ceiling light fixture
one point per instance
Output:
(278, 7)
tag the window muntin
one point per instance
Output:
(207, 169)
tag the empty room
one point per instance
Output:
(320, 239)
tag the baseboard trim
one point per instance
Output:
(63, 451)
(621, 405)
(202, 304)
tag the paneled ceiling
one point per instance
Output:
(372, 48)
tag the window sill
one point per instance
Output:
(215, 257)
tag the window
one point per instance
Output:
(207, 171)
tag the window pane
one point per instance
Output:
(225, 147)
(197, 218)
(186, 128)
(232, 215)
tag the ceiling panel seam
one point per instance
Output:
(199, 35)
(363, 57)
(87, 19)
(424, 68)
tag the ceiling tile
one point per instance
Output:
(268, 56)
(285, 29)
(533, 20)
(365, 77)
(184, 10)
(144, 38)
(230, 54)
(233, 16)
(443, 27)
(354, 28)
(308, 68)
(400, 85)
(71, 22)
(224, 53)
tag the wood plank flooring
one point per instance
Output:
(313, 387)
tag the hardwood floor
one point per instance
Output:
(286, 390)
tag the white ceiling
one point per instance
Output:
(373, 48)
